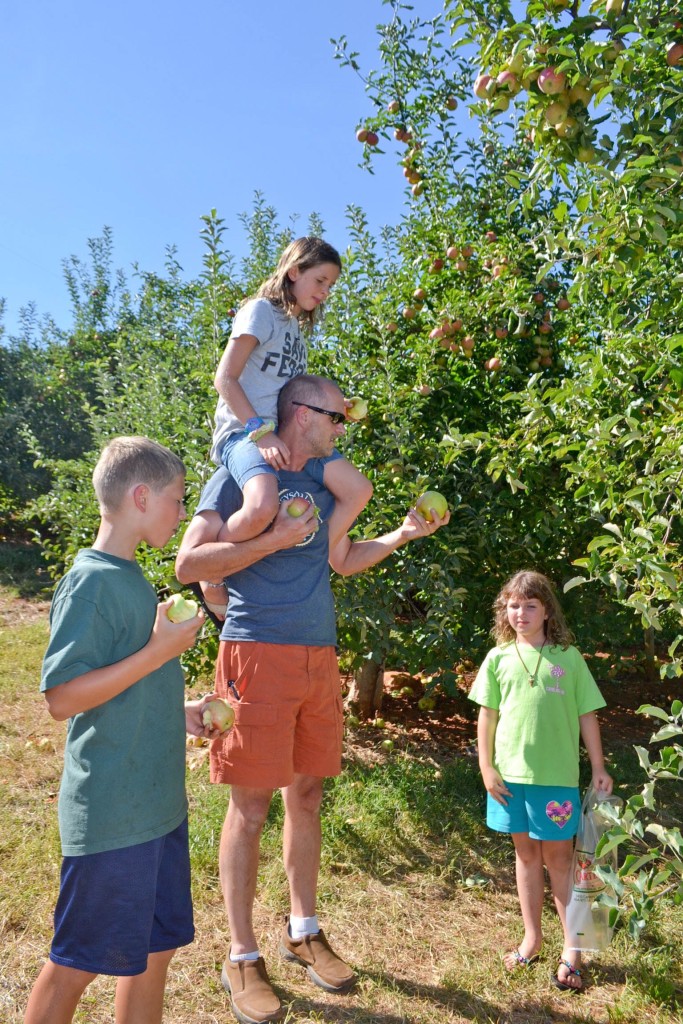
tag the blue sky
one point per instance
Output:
(144, 114)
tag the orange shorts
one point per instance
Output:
(288, 719)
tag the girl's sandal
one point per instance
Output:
(519, 960)
(573, 971)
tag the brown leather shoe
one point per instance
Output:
(251, 995)
(314, 952)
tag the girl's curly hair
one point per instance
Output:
(527, 585)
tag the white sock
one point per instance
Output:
(236, 957)
(300, 926)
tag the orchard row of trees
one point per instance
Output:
(517, 335)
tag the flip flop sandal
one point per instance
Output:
(560, 984)
(523, 961)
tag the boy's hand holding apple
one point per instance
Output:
(210, 716)
(175, 637)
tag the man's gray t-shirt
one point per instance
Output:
(281, 353)
(286, 597)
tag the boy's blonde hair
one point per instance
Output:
(526, 585)
(127, 461)
(302, 253)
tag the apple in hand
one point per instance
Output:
(297, 507)
(358, 408)
(217, 714)
(431, 500)
(181, 610)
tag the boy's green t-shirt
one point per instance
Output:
(124, 762)
(537, 735)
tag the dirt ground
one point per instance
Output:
(450, 728)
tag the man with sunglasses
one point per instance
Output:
(277, 666)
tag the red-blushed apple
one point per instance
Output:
(508, 80)
(436, 265)
(431, 500)
(218, 714)
(391, 327)
(419, 294)
(393, 107)
(545, 327)
(358, 409)
(461, 265)
(424, 390)
(452, 252)
(546, 361)
(538, 298)
(480, 85)
(297, 507)
(456, 325)
(563, 303)
(372, 139)
(362, 134)
(674, 53)
(491, 236)
(467, 343)
(551, 82)
(417, 189)
(493, 364)
(182, 609)
(467, 251)
(451, 103)
(409, 313)
(501, 332)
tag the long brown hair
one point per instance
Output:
(527, 585)
(302, 253)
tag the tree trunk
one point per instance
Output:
(649, 648)
(367, 688)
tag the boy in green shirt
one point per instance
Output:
(112, 671)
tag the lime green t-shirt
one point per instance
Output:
(123, 781)
(537, 735)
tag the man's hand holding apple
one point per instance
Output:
(289, 528)
(415, 525)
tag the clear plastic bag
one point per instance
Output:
(588, 921)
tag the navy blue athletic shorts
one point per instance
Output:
(117, 907)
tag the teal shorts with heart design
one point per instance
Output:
(543, 812)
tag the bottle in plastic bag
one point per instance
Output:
(587, 921)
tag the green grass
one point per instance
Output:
(414, 889)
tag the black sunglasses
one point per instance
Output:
(336, 417)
